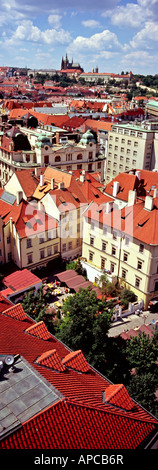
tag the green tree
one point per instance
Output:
(127, 296)
(85, 317)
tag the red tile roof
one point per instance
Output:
(117, 395)
(17, 312)
(135, 221)
(81, 420)
(38, 329)
(21, 279)
(77, 361)
(51, 359)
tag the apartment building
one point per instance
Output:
(131, 146)
(31, 237)
(15, 153)
(124, 244)
(61, 196)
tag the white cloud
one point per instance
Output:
(26, 31)
(98, 41)
(55, 20)
(145, 35)
(91, 23)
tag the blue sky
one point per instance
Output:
(114, 35)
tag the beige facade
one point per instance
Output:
(129, 147)
(121, 256)
(70, 225)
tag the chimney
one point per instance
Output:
(116, 185)
(155, 192)
(138, 173)
(52, 183)
(82, 178)
(19, 196)
(149, 203)
(109, 206)
(131, 197)
(41, 180)
(57, 138)
(37, 171)
(61, 185)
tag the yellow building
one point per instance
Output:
(31, 237)
(124, 244)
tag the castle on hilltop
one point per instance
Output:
(66, 65)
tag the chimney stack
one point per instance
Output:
(149, 203)
(19, 197)
(41, 180)
(116, 185)
(131, 197)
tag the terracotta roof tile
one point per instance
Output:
(51, 359)
(117, 395)
(38, 329)
(17, 312)
(76, 361)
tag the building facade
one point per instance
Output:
(123, 244)
(131, 146)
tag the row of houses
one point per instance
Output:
(113, 227)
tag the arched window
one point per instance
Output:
(57, 158)
(79, 156)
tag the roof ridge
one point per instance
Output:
(16, 311)
(51, 360)
(39, 329)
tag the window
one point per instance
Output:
(116, 147)
(125, 256)
(64, 247)
(113, 251)
(28, 243)
(49, 251)
(42, 254)
(123, 141)
(69, 168)
(141, 248)
(57, 158)
(139, 264)
(99, 165)
(137, 282)
(129, 142)
(90, 155)
(91, 241)
(134, 152)
(70, 246)
(122, 149)
(135, 144)
(92, 225)
(55, 249)
(41, 239)
(103, 246)
(8, 240)
(49, 235)
(103, 260)
(46, 159)
(79, 166)
(124, 273)
(114, 235)
(112, 267)
(116, 139)
(9, 256)
(0, 252)
(91, 256)
(29, 258)
(156, 285)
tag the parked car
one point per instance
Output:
(153, 305)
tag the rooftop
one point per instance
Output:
(52, 398)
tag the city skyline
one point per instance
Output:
(116, 36)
